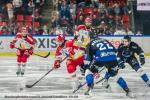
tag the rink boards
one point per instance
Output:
(48, 43)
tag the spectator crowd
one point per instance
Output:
(17, 13)
(109, 17)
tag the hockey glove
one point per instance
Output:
(142, 59)
(57, 64)
(12, 45)
(121, 64)
(30, 51)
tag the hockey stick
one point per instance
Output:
(42, 55)
(85, 82)
(30, 86)
(38, 54)
(100, 80)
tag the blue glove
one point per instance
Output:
(142, 59)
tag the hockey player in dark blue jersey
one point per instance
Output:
(127, 51)
(101, 53)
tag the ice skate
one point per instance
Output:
(148, 83)
(106, 85)
(18, 73)
(129, 93)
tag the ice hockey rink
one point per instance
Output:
(56, 85)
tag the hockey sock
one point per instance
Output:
(145, 78)
(107, 75)
(19, 68)
(75, 83)
(122, 83)
(143, 75)
(23, 68)
(90, 80)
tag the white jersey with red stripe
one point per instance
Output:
(24, 42)
(83, 35)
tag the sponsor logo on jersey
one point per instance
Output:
(105, 54)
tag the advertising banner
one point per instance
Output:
(143, 5)
(47, 43)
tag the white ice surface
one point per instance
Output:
(56, 85)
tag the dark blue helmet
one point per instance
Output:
(127, 37)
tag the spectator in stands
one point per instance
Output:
(65, 10)
(101, 5)
(88, 3)
(95, 21)
(30, 7)
(110, 9)
(10, 11)
(117, 9)
(25, 6)
(37, 15)
(59, 5)
(139, 32)
(126, 9)
(129, 31)
(120, 31)
(4, 30)
(95, 3)
(73, 9)
(96, 12)
(45, 30)
(37, 3)
(80, 20)
(111, 21)
(17, 4)
(59, 31)
(55, 4)
(36, 31)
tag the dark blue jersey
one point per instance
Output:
(101, 50)
(128, 52)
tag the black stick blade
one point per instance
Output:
(29, 86)
(47, 55)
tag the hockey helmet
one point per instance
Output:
(127, 37)
(60, 38)
(126, 40)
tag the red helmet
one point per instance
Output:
(60, 38)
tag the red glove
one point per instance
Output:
(12, 45)
(57, 64)
(30, 51)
